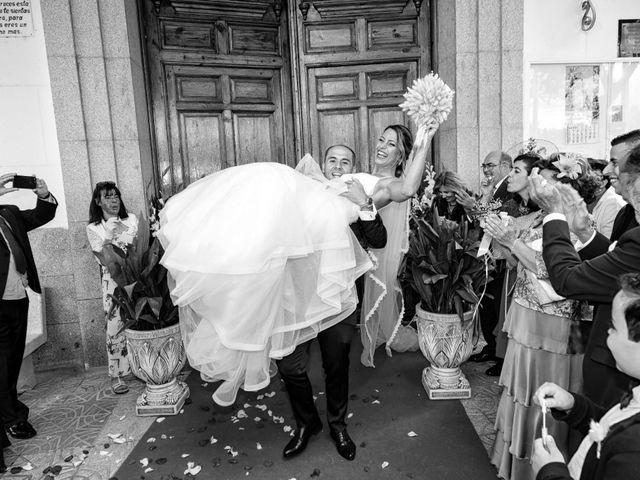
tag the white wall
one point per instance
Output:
(28, 139)
(552, 30)
(554, 39)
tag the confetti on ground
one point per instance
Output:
(185, 455)
(204, 385)
(27, 467)
(257, 419)
(160, 419)
(192, 468)
(246, 405)
(375, 402)
(212, 440)
(104, 452)
(151, 440)
(287, 428)
(270, 394)
(231, 451)
(384, 464)
(122, 417)
(163, 436)
(148, 469)
(260, 397)
(278, 419)
(144, 462)
(258, 446)
(350, 415)
(261, 407)
(412, 434)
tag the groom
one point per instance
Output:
(335, 342)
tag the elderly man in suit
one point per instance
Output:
(335, 342)
(593, 280)
(17, 271)
(495, 167)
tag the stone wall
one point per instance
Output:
(478, 52)
(97, 82)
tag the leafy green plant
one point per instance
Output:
(441, 264)
(142, 293)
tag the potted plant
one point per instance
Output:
(443, 268)
(154, 343)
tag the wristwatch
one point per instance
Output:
(368, 205)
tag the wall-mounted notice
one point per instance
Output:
(15, 18)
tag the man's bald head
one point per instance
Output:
(496, 164)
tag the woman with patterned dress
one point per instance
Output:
(546, 337)
(109, 223)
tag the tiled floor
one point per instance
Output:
(74, 412)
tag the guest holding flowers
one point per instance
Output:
(109, 223)
(546, 333)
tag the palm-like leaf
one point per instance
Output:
(441, 264)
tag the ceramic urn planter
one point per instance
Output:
(157, 357)
(447, 343)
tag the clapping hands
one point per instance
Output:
(561, 198)
(502, 230)
(544, 194)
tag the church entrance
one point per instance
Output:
(240, 81)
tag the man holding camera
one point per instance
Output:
(17, 271)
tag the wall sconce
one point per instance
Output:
(589, 16)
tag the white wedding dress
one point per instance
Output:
(260, 259)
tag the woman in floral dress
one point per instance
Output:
(547, 335)
(109, 223)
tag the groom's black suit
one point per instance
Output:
(335, 345)
(596, 281)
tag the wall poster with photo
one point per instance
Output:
(580, 108)
(582, 103)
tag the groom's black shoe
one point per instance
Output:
(22, 430)
(299, 441)
(345, 446)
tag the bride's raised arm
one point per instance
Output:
(401, 189)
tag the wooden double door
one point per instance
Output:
(240, 81)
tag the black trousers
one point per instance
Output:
(490, 312)
(335, 344)
(13, 333)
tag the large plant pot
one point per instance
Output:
(447, 342)
(157, 357)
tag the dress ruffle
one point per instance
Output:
(261, 259)
(383, 309)
(530, 361)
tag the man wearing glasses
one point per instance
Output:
(496, 167)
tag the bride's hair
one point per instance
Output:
(405, 142)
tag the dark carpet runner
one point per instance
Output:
(387, 403)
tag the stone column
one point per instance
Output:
(95, 66)
(478, 52)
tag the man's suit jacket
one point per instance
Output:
(625, 220)
(370, 233)
(620, 450)
(501, 193)
(22, 221)
(595, 281)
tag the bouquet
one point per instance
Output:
(428, 102)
